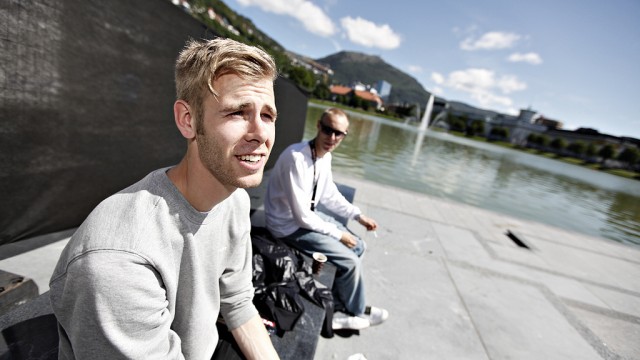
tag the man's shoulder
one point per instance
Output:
(294, 151)
(121, 217)
(296, 147)
(143, 195)
(239, 198)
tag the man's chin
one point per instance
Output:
(250, 181)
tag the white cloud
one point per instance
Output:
(437, 90)
(482, 85)
(437, 78)
(470, 79)
(488, 99)
(416, 69)
(366, 33)
(312, 17)
(490, 41)
(510, 83)
(570, 126)
(531, 58)
(512, 111)
(336, 45)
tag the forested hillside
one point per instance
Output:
(368, 69)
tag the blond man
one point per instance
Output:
(149, 271)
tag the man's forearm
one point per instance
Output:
(254, 341)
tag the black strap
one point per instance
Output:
(312, 145)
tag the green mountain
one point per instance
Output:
(349, 67)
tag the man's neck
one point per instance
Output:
(318, 147)
(201, 189)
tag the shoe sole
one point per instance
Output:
(340, 327)
(350, 328)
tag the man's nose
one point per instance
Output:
(258, 129)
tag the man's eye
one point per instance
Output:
(269, 117)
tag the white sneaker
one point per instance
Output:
(376, 315)
(357, 356)
(343, 321)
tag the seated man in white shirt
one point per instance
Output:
(299, 181)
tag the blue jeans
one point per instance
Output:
(348, 287)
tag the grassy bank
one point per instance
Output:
(570, 160)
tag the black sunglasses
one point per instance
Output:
(328, 130)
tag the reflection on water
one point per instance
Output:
(491, 177)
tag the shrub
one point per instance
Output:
(630, 155)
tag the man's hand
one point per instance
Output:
(348, 240)
(367, 222)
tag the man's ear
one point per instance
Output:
(184, 119)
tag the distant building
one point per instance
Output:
(357, 85)
(519, 127)
(529, 122)
(549, 123)
(368, 96)
(340, 90)
(384, 90)
(317, 68)
(528, 115)
(183, 4)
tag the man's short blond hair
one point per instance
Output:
(332, 113)
(201, 63)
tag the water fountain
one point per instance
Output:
(424, 124)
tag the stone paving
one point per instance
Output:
(457, 287)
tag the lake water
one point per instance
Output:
(519, 184)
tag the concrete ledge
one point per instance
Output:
(30, 329)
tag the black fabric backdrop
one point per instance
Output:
(86, 96)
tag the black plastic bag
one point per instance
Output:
(280, 275)
(281, 304)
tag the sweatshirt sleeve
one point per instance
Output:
(236, 288)
(112, 304)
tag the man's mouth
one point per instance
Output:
(250, 158)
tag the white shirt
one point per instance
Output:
(289, 192)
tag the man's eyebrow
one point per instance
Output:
(234, 107)
(241, 107)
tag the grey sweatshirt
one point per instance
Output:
(146, 275)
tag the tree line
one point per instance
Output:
(628, 157)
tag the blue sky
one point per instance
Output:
(576, 61)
